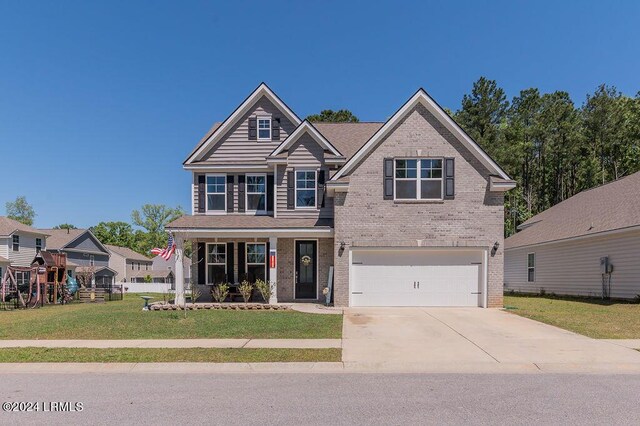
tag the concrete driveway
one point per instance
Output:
(471, 339)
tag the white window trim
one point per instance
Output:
(531, 267)
(206, 271)
(206, 194)
(246, 257)
(258, 128)
(418, 178)
(92, 260)
(38, 246)
(315, 189)
(15, 241)
(246, 193)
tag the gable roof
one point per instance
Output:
(305, 127)
(610, 207)
(61, 238)
(422, 97)
(127, 253)
(262, 90)
(9, 226)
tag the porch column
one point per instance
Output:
(179, 271)
(273, 272)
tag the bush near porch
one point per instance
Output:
(595, 318)
(126, 320)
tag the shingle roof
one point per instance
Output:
(609, 207)
(348, 137)
(58, 238)
(127, 253)
(245, 222)
(9, 226)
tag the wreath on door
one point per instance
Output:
(306, 260)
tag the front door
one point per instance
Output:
(306, 270)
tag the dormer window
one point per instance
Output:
(264, 129)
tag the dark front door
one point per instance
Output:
(306, 269)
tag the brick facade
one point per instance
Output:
(473, 219)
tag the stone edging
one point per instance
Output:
(159, 306)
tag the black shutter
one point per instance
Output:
(275, 129)
(229, 253)
(449, 178)
(253, 128)
(268, 264)
(202, 194)
(269, 193)
(242, 273)
(321, 188)
(202, 263)
(388, 178)
(241, 193)
(230, 180)
(291, 190)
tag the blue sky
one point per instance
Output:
(101, 103)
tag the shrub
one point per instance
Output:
(265, 289)
(245, 289)
(195, 291)
(148, 279)
(220, 292)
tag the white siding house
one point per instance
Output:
(588, 245)
(19, 243)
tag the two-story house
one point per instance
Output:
(85, 253)
(407, 212)
(19, 244)
(128, 263)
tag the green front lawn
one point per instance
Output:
(592, 317)
(126, 320)
(168, 355)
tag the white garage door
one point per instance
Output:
(416, 277)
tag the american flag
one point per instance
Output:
(167, 252)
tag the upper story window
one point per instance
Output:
(257, 193)
(92, 260)
(264, 129)
(531, 267)
(418, 179)
(216, 193)
(16, 243)
(306, 189)
(38, 244)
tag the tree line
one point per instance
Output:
(551, 147)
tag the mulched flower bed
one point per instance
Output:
(159, 306)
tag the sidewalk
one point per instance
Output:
(177, 343)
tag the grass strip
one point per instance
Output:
(168, 355)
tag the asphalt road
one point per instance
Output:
(334, 399)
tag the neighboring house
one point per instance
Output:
(159, 264)
(587, 245)
(87, 255)
(408, 212)
(19, 244)
(161, 276)
(127, 263)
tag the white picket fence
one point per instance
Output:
(146, 287)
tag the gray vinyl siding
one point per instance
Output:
(306, 153)
(573, 267)
(86, 242)
(27, 250)
(118, 264)
(236, 148)
(82, 260)
(4, 248)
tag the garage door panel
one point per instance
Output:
(442, 278)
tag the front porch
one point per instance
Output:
(296, 261)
